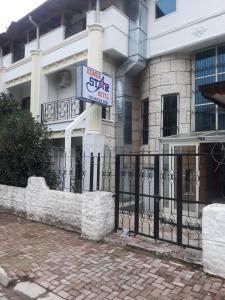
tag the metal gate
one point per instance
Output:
(160, 196)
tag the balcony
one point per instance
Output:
(61, 110)
(66, 110)
(75, 28)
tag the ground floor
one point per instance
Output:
(72, 268)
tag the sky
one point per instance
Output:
(13, 10)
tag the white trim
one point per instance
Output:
(178, 28)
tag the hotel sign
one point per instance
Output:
(94, 86)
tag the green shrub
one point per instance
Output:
(25, 146)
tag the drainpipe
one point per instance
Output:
(89, 5)
(126, 73)
(38, 31)
(97, 11)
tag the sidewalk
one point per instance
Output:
(71, 268)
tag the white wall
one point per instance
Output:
(194, 23)
(116, 30)
(55, 92)
(18, 69)
(7, 60)
(47, 40)
(92, 214)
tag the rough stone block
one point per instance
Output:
(37, 184)
(50, 296)
(168, 78)
(213, 228)
(98, 215)
(4, 278)
(163, 67)
(155, 81)
(179, 65)
(214, 258)
(184, 78)
(29, 289)
(214, 223)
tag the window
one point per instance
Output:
(128, 123)
(105, 113)
(209, 68)
(18, 52)
(145, 121)
(189, 179)
(170, 115)
(164, 7)
(26, 104)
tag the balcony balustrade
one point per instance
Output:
(66, 109)
(61, 110)
(75, 28)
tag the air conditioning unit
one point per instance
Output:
(63, 78)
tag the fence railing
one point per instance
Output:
(63, 109)
(87, 172)
(75, 28)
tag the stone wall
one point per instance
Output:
(91, 214)
(213, 234)
(166, 75)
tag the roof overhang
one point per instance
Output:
(42, 13)
(214, 92)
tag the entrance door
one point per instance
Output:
(212, 167)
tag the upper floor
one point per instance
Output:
(173, 25)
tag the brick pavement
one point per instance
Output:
(76, 269)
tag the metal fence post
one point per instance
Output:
(137, 177)
(117, 190)
(92, 172)
(98, 172)
(156, 198)
(179, 199)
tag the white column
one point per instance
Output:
(35, 83)
(95, 61)
(93, 141)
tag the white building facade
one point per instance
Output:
(158, 53)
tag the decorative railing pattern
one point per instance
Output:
(64, 109)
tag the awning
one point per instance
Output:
(195, 137)
(214, 92)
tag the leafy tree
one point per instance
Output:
(25, 146)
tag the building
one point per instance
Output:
(158, 53)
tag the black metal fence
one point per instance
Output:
(85, 172)
(163, 196)
(75, 28)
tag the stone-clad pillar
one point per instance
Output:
(35, 82)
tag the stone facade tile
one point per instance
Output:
(179, 65)
(183, 77)
(155, 81)
(168, 78)
(163, 67)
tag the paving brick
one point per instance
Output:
(73, 268)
